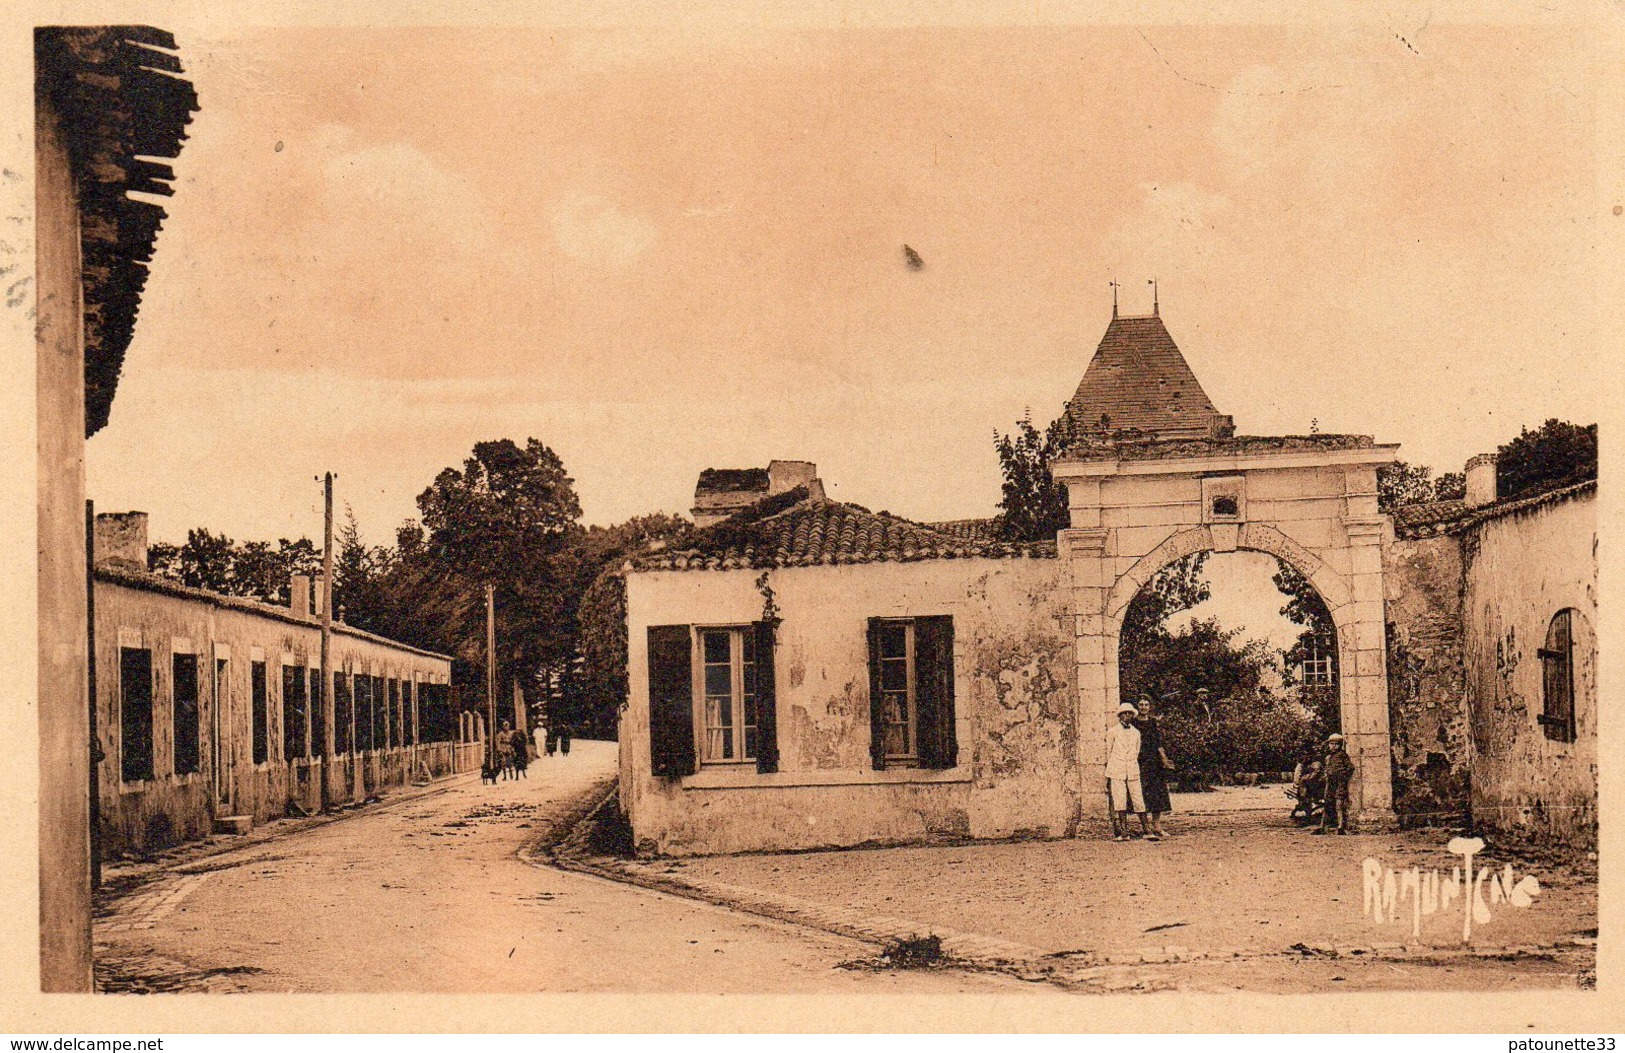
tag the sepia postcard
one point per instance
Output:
(860, 517)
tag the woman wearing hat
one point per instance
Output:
(1154, 763)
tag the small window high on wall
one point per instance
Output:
(1557, 672)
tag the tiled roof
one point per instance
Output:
(124, 109)
(1138, 380)
(1138, 448)
(731, 480)
(795, 530)
(1453, 517)
(975, 529)
(118, 573)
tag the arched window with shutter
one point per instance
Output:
(1557, 684)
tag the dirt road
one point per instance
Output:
(429, 896)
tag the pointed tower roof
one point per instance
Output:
(1138, 380)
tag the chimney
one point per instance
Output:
(299, 595)
(121, 540)
(316, 595)
(787, 475)
(1481, 480)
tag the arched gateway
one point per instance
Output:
(1155, 473)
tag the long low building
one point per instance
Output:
(210, 708)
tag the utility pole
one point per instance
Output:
(326, 692)
(490, 675)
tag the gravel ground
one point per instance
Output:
(1235, 879)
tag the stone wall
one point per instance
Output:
(1313, 509)
(1015, 707)
(155, 813)
(1427, 680)
(1521, 568)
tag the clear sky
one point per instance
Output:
(660, 251)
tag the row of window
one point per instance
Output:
(370, 712)
(712, 695)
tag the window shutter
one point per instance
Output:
(767, 718)
(877, 711)
(934, 691)
(671, 701)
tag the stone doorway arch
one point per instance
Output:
(1310, 501)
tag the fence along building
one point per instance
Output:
(209, 706)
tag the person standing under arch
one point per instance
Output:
(1123, 774)
(1154, 764)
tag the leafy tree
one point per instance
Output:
(1305, 607)
(206, 561)
(509, 518)
(1555, 455)
(1034, 505)
(507, 502)
(164, 560)
(259, 570)
(595, 688)
(1451, 486)
(355, 577)
(1177, 587)
(1401, 484)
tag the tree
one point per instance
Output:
(206, 561)
(509, 518)
(164, 560)
(1555, 455)
(1305, 607)
(1177, 587)
(1401, 484)
(1034, 505)
(507, 502)
(595, 688)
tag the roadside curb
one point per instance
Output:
(122, 878)
(1094, 969)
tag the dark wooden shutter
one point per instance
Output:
(934, 691)
(877, 710)
(767, 719)
(671, 701)
(1557, 667)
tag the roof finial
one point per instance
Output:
(1155, 309)
(1113, 284)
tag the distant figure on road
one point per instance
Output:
(1336, 770)
(552, 740)
(505, 751)
(1123, 774)
(564, 739)
(521, 754)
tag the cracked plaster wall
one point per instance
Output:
(1522, 569)
(1427, 680)
(1014, 703)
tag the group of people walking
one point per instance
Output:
(513, 750)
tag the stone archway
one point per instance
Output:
(1135, 508)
